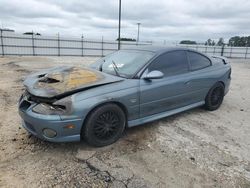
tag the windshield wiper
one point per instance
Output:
(100, 67)
(115, 68)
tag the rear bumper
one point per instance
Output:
(36, 123)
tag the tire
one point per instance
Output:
(104, 125)
(215, 97)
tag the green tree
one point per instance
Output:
(208, 42)
(220, 42)
(188, 42)
(239, 41)
(248, 41)
(31, 33)
(126, 39)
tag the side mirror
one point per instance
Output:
(154, 75)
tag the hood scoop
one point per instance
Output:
(49, 80)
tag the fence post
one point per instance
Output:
(222, 49)
(246, 52)
(58, 44)
(82, 45)
(2, 42)
(33, 44)
(214, 50)
(231, 51)
(102, 46)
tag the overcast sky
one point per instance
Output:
(171, 20)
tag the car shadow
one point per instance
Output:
(132, 140)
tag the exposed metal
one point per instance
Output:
(64, 81)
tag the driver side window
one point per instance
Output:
(170, 63)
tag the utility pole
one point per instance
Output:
(119, 29)
(138, 32)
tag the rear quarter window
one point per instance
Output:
(198, 61)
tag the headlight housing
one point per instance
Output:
(60, 107)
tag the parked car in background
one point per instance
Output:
(124, 89)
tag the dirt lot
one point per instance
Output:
(192, 149)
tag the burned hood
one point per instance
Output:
(62, 81)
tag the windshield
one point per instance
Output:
(125, 63)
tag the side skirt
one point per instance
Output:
(154, 117)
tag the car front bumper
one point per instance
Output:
(36, 123)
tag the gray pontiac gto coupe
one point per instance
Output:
(124, 89)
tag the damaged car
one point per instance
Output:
(127, 88)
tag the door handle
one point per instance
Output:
(187, 83)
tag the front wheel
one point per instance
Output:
(214, 97)
(104, 125)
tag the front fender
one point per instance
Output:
(128, 98)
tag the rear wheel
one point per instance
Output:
(104, 125)
(215, 97)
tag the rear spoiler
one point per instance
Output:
(224, 59)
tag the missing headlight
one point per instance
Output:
(60, 107)
(48, 109)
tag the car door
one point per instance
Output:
(169, 92)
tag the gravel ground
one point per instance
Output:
(196, 148)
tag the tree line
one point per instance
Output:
(237, 41)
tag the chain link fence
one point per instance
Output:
(33, 45)
(226, 51)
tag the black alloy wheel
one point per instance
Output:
(215, 97)
(104, 125)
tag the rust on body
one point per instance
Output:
(67, 80)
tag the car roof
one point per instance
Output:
(155, 49)
(162, 49)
